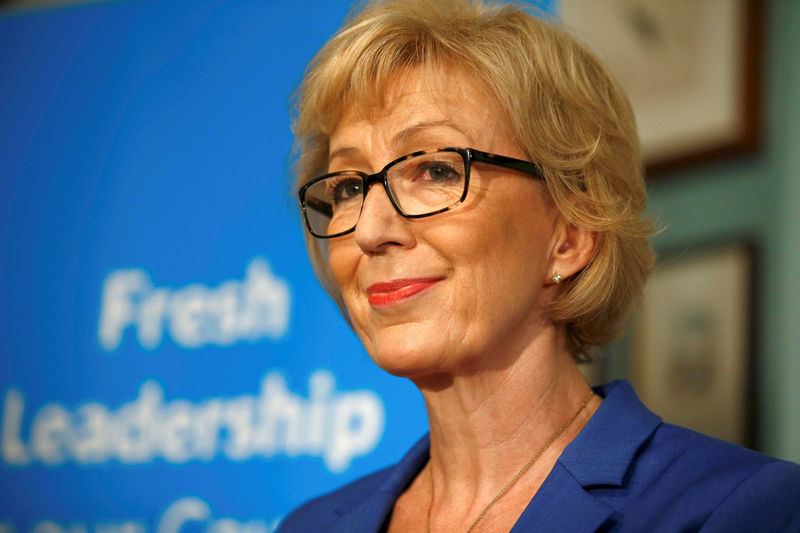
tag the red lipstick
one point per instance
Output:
(381, 294)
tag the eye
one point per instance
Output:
(343, 189)
(438, 171)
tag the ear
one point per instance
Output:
(573, 248)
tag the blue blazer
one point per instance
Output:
(625, 471)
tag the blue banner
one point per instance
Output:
(167, 360)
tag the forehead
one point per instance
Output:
(419, 104)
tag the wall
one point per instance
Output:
(757, 197)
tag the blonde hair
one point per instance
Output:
(565, 110)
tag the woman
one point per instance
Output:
(471, 185)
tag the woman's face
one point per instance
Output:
(441, 295)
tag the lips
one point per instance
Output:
(388, 293)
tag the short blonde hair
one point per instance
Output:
(565, 110)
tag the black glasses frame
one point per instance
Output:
(469, 155)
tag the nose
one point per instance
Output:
(380, 226)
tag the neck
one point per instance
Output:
(485, 426)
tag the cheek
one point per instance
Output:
(342, 260)
(506, 262)
(508, 249)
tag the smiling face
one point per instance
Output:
(460, 291)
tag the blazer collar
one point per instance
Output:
(600, 455)
(604, 449)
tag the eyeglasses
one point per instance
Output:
(418, 185)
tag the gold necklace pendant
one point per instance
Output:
(554, 437)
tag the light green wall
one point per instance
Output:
(757, 197)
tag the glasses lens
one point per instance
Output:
(420, 185)
(334, 204)
(428, 183)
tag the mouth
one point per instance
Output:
(391, 292)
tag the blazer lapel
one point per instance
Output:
(562, 504)
(605, 448)
(367, 517)
(599, 456)
(372, 512)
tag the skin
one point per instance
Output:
(494, 370)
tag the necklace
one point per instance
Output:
(554, 437)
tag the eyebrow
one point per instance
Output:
(404, 136)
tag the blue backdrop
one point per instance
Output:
(167, 361)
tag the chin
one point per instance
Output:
(402, 363)
(406, 355)
(429, 362)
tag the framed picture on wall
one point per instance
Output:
(690, 68)
(691, 344)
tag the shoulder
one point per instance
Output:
(659, 477)
(319, 513)
(728, 485)
(767, 499)
(706, 484)
(686, 451)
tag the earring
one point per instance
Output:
(557, 278)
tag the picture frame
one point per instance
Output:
(691, 345)
(691, 69)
